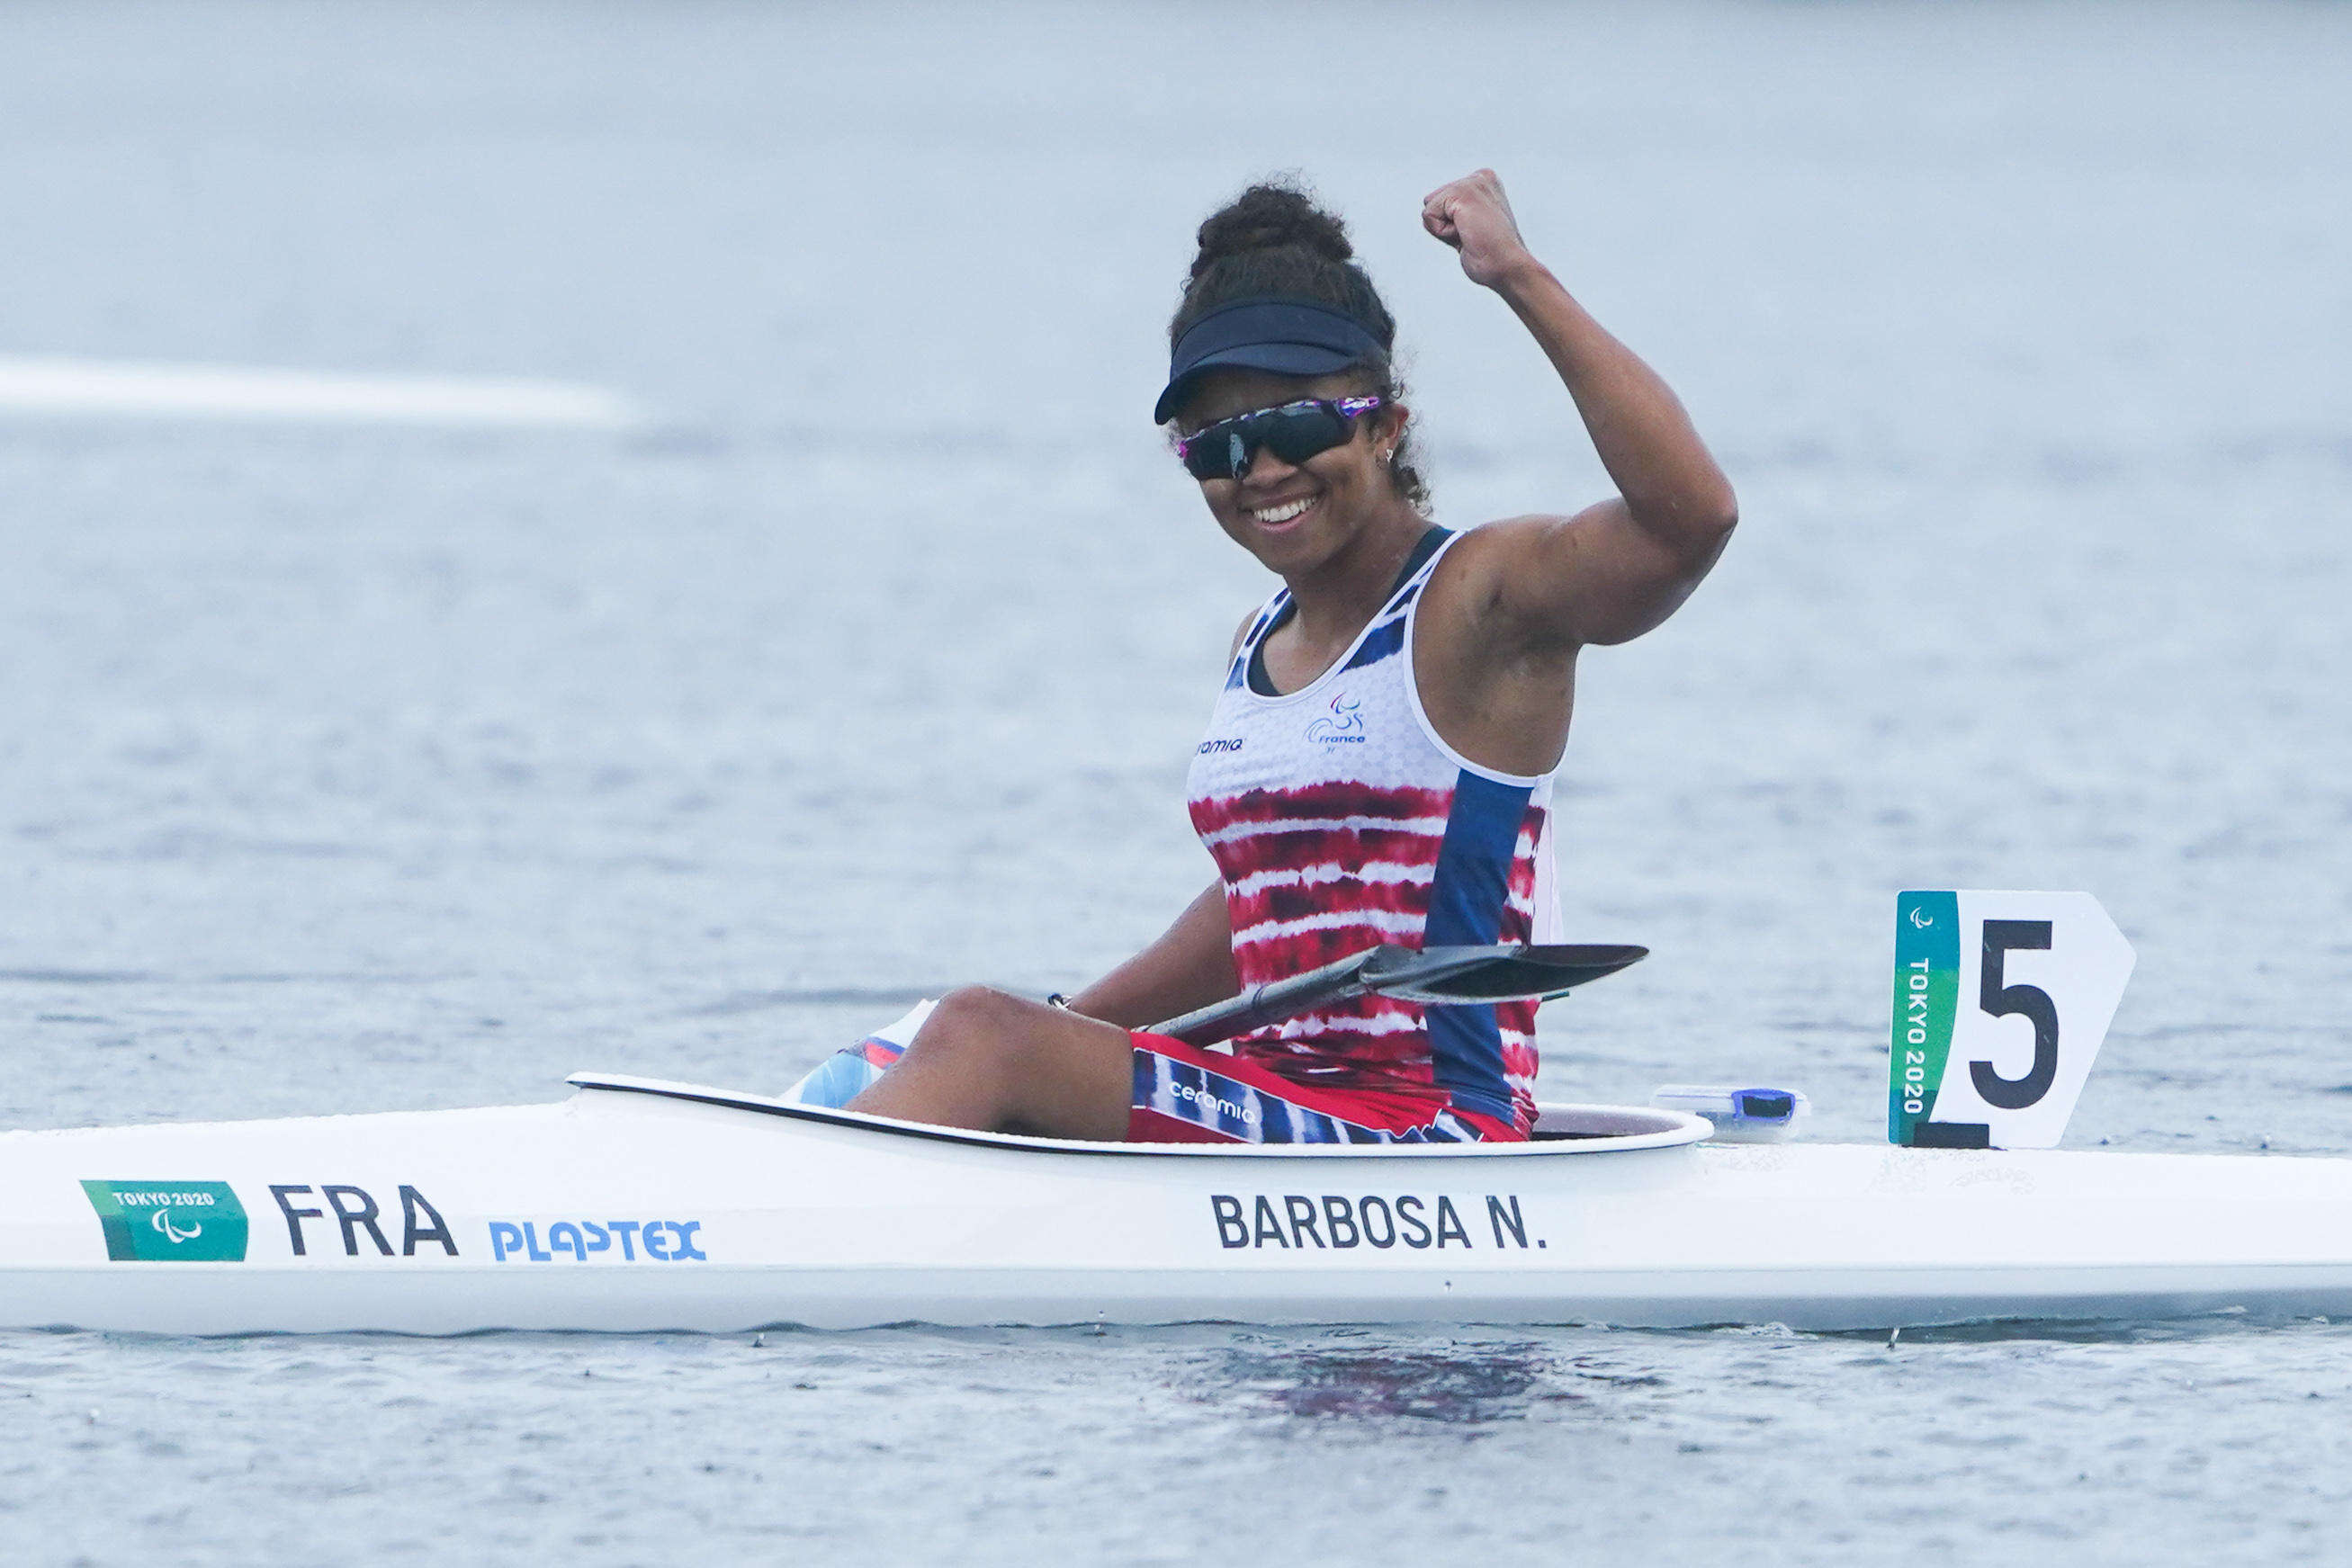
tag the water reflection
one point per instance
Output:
(2103, 1331)
(1456, 1383)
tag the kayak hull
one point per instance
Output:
(640, 1206)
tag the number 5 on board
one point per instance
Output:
(2001, 1002)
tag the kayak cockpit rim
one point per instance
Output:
(1559, 1129)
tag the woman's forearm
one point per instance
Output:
(1671, 484)
(1189, 966)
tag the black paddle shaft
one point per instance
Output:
(1433, 976)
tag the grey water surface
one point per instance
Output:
(351, 768)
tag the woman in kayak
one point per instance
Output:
(1379, 767)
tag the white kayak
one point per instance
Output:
(641, 1204)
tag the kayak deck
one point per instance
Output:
(1560, 1129)
(640, 1205)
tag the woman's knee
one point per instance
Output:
(973, 1018)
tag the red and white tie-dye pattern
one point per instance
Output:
(1325, 810)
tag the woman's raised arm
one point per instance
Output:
(1615, 570)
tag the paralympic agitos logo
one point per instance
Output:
(1343, 726)
(169, 1221)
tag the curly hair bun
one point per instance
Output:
(1271, 216)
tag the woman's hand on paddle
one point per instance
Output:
(1474, 216)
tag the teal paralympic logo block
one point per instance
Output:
(1926, 994)
(169, 1221)
(608, 1241)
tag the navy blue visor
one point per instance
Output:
(1289, 337)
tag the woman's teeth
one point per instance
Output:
(1283, 514)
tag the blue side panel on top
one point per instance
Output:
(1465, 908)
(1277, 611)
(1382, 641)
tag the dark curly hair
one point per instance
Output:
(1274, 238)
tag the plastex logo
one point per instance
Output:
(169, 1221)
(621, 1240)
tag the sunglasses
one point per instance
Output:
(1294, 433)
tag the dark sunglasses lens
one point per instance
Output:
(1212, 455)
(1224, 450)
(1295, 434)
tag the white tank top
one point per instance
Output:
(1339, 820)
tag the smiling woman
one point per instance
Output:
(1274, 288)
(1379, 766)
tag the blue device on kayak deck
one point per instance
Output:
(1759, 1115)
(853, 1070)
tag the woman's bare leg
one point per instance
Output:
(997, 1063)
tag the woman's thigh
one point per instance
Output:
(1002, 1063)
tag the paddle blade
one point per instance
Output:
(1437, 977)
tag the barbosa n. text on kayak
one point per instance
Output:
(1294, 1221)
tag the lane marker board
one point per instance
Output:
(2001, 1001)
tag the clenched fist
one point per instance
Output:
(1474, 216)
